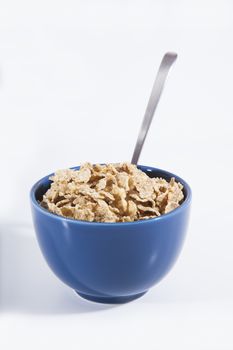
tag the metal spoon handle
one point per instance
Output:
(167, 61)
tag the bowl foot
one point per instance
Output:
(111, 300)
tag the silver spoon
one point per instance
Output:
(166, 63)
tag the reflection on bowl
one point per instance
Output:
(111, 262)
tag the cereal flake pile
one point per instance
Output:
(110, 193)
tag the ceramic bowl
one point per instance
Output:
(110, 262)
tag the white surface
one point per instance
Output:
(75, 80)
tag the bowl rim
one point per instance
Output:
(144, 168)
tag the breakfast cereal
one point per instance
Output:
(110, 193)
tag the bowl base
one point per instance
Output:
(111, 300)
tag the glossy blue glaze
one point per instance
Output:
(110, 262)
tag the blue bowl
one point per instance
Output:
(110, 262)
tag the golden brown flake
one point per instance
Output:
(110, 193)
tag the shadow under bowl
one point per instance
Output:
(111, 262)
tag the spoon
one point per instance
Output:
(166, 63)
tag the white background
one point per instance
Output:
(75, 77)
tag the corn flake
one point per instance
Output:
(110, 193)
